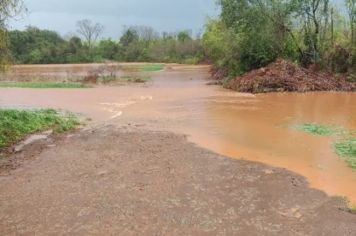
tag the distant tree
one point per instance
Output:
(145, 33)
(184, 36)
(351, 10)
(107, 49)
(8, 9)
(74, 45)
(129, 36)
(90, 32)
(37, 46)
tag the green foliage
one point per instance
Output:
(35, 46)
(318, 129)
(41, 85)
(252, 33)
(346, 148)
(108, 49)
(4, 53)
(16, 124)
(150, 67)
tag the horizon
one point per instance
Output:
(164, 16)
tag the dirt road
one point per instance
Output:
(129, 180)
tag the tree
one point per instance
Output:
(8, 9)
(90, 32)
(129, 37)
(184, 36)
(107, 49)
(351, 10)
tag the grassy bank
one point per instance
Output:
(16, 124)
(41, 85)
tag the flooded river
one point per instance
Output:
(236, 125)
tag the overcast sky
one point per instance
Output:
(163, 15)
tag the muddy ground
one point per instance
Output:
(130, 180)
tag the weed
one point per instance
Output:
(134, 78)
(318, 129)
(146, 67)
(16, 124)
(346, 148)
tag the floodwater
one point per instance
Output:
(245, 126)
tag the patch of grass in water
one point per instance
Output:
(135, 77)
(318, 129)
(17, 124)
(346, 149)
(43, 85)
(147, 67)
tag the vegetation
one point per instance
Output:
(16, 124)
(346, 148)
(250, 34)
(318, 129)
(146, 67)
(135, 77)
(8, 9)
(41, 85)
(35, 46)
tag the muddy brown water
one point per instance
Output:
(244, 126)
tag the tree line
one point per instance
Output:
(250, 34)
(138, 43)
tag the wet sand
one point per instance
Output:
(237, 125)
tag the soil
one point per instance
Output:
(284, 75)
(125, 180)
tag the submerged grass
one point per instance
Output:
(16, 124)
(318, 129)
(346, 149)
(41, 85)
(147, 67)
(135, 77)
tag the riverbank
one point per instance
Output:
(285, 76)
(128, 180)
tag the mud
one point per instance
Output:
(125, 158)
(156, 183)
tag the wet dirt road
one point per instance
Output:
(130, 180)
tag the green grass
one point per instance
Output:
(41, 85)
(346, 149)
(318, 129)
(16, 124)
(147, 67)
